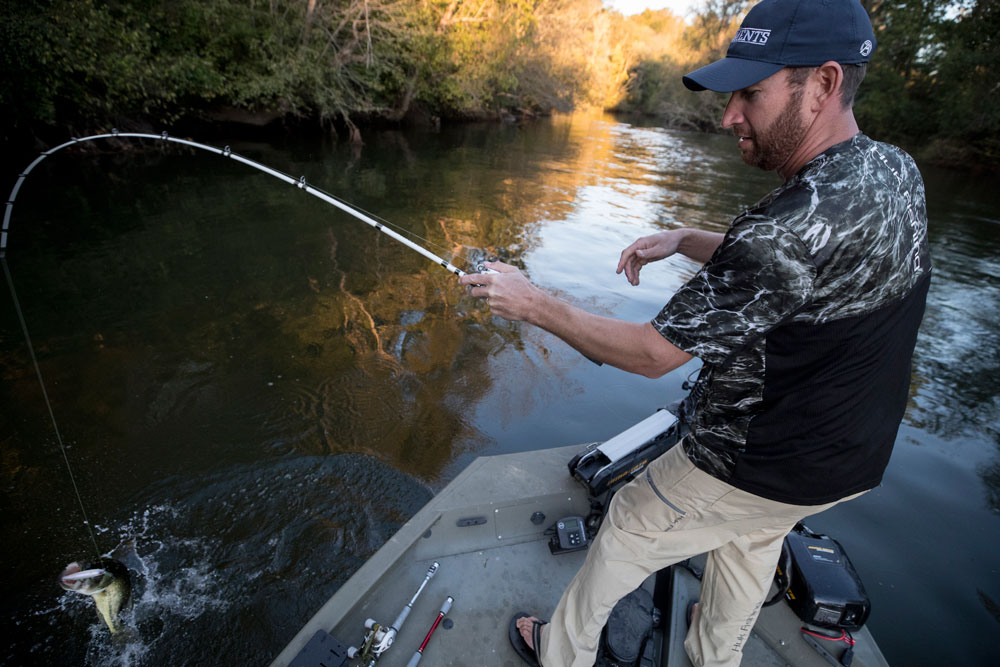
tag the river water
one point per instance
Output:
(255, 390)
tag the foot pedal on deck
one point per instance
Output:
(322, 650)
(627, 630)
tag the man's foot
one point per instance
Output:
(524, 632)
(692, 606)
(526, 626)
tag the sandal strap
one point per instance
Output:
(536, 637)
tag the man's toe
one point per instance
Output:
(525, 626)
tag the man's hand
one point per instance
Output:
(645, 250)
(698, 244)
(633, 347)
(508, 293)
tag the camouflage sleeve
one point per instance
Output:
(760, 274)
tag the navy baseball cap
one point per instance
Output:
(789, 33)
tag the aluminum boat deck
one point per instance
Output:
(495, 561)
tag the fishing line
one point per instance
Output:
(48, 404)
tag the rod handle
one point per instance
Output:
(398, 623)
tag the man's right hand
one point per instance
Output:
(647, 249)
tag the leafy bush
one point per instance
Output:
(86, 64)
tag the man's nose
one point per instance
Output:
(733, 114)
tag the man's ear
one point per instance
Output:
(826, 80)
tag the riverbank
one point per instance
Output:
(223, 123)
(74, 67)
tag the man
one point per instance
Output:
(805, 315)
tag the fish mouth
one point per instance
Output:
(87, 581)
(84, 574)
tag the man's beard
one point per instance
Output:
(773, 145)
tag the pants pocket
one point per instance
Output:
(641, 506)
(677, 510)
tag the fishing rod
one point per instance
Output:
(445, 608)
(380, 638)
(227, 152)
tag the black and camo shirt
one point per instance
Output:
(805, 318)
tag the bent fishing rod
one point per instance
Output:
(228, 153)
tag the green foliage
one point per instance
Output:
(715, 24)
(968, 79)
(91, 62)
(86, 64)
(931, 79)
(670, 49)
(930, 85)
(892, 102)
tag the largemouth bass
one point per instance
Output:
(106, 581)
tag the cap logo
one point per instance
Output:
(756, 36)
(866, 48)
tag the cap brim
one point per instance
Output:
(729, 74)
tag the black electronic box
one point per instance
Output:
(824, 588)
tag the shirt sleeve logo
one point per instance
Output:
(757, 36)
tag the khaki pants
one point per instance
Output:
(673, 511)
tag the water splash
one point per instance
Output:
(165, 594)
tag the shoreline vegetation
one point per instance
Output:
(342, 66)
